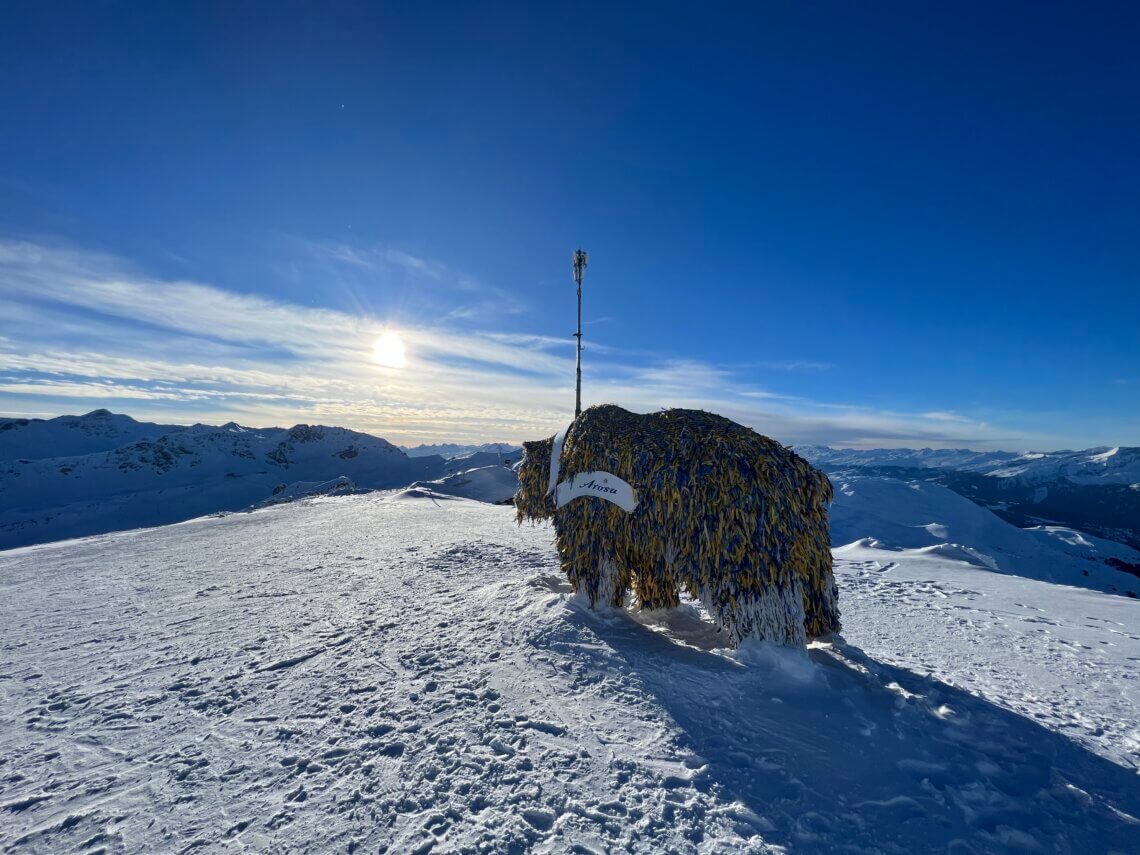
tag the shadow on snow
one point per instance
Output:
(846, 753)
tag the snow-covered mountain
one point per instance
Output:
(924, 458)
(1093, 466)
(187, 473)
(1096, 490)
(367, 673)
(77, 475)
(477, 459)
(452, 449)
(68, 436)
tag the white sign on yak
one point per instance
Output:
(600, 485)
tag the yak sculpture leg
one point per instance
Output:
(821, 611)
(656, 582)
(774, 614)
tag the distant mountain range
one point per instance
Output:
(1091, 467)
(451, 449)
(67, 436)
(1096, 490)
(78, 475)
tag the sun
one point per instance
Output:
(388, 350)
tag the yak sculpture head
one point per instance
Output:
(532, 501)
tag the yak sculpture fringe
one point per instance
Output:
(730, 516)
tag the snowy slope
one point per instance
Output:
(374, 674)
(194, 471)
(67, 436)
(494, 484)
(283, 493)
(921, 517)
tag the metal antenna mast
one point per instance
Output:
(579, 269)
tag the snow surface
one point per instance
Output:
(375, 672)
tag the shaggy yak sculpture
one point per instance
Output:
(730, 516)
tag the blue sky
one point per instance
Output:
(858, 224)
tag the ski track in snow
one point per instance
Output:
(369, 674)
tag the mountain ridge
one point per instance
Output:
(188, 472)
(1087, 467)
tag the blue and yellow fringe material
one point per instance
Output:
(731, 516)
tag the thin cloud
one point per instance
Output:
(944, 416)
(796, 365)
(339, 259)
(373, 258)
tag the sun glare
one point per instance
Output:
(389, 351)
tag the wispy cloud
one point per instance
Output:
(945, 416)
(796, 365)
(375, 258)
(82, 327)
(430, 277)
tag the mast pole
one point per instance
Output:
(579, 268)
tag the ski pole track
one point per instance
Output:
(363, 674)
